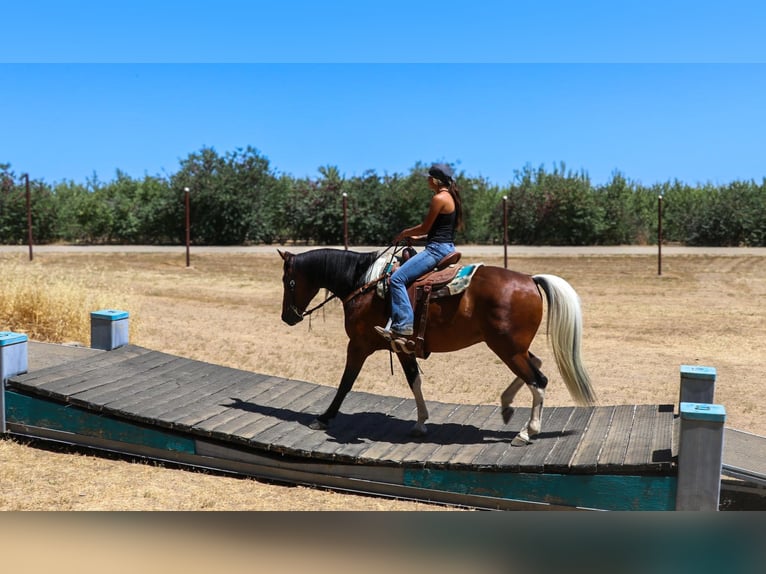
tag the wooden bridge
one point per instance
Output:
(147, 403)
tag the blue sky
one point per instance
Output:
(655, 90)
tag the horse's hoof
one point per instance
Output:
(316, 424)
(418, 430)
(507, 413)
(521, 439)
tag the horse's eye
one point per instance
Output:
(291, 284)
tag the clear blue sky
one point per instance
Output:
(656, 90)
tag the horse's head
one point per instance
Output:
(297, 290)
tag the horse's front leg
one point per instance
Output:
(412, 372)
(355, 358)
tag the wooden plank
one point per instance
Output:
(377, 451)
(60, 383)
(196, 390)
(296, 423)
(427, 444)
(261, 408)
(612, 455)
(639, 452)
(560, 458)
(161, 395)
(232, 392)
(126, 386)
(506, 455)
(536, 452)
(464, 456)
(373, 428)
(274, 416)
(132, 401)
(104, 379)
(585, 458)
(224, 415)
(662, 446)
(299, 443)
(345, 427)
(456, 432)
(38, 378)
(499, 438)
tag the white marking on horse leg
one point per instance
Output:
(532, 426)
(419, 429)
(535, 421)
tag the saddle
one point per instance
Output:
(432, 285)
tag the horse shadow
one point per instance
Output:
(365, 426)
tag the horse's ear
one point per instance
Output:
(284, 254)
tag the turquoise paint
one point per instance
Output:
(698, 372)
(11, 338)
(109, 314)
(601, 491)
(38, 412)
(702, 412)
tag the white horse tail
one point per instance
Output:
(565, 336)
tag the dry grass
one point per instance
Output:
(639, 328)
(50, 304)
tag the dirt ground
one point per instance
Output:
(639, 328)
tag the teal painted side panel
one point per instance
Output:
(35, 411)
(601, 491)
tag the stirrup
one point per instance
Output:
(399, 343)
(402, 345)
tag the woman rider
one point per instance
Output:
(443, 218)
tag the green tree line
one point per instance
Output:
(238, 198)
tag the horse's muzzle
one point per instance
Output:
(292, 316)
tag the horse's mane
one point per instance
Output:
(337, 270)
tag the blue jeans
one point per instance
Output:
(402, 316)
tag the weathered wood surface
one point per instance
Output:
(269, 413)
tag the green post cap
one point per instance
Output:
(697, 372)
(703, 412)
(11, 338)
(109, 314)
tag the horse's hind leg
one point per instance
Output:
(526, 367)
(506, 399)
(411, 371)
(533, 425)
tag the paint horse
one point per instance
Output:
(500, 307)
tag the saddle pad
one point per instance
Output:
(462, 279)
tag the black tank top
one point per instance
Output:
(443, 228)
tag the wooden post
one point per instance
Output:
(345, 221)
(108, 329)
(659, 235)
(29, 218)
(505, 231)
(13, 361)
(697, 384)
(188, 223)
(700, 456)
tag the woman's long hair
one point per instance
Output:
(454, 191)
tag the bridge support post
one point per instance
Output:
(697, 384)
(13, 361)
(700, 456)
(108, 329)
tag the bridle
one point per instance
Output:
(291, 289)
